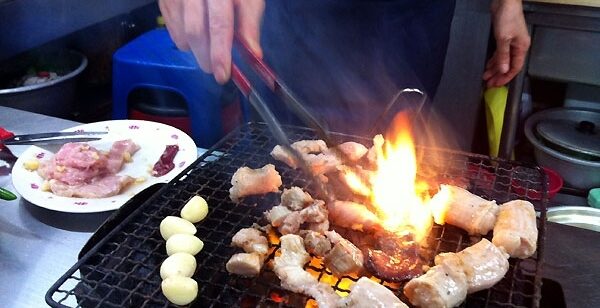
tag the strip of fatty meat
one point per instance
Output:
(247, 181)
(367, 293)
(289, 268)
(461, 208)
(442, 286)
(483, 263)
(353, 216)
(516, 229)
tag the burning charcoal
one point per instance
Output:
(316, 243)
(344, 258)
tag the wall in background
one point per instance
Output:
(27, 24)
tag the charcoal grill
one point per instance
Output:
(121, 267)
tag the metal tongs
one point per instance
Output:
(52, 138)
(285, 94)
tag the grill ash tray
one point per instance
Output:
(120, 265)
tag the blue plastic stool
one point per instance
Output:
(153, 61)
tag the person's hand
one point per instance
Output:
(512, 42)
(206, 27)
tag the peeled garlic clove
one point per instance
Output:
(179, 264)
(175, 225)
(195, 209)
(179, 290)
(184, 243)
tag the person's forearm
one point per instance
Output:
(497, 3)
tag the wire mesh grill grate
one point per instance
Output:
(123, 268)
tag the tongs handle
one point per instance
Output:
(277, 86)
(265, 113)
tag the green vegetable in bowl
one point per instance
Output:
(7, 195)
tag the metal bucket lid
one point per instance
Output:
(576, 216)
(571, 136)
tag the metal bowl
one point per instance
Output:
(577, 172)
(54, 97)
(576, 216)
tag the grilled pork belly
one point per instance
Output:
(276, 215)
(245, 264)
(318, 158)
(461, 208)
(310, 146)
(442, 286)
(354, 151)
(377, 148)
(353, 216)
(315, 242)
(289, 268)
(344, 258)
(367, 293)
(313, 217)
(483, 263)
(281, 154)
(247, 181)
(304, 147)
(291, 223)
(516, 229)
(251, 240)
(295, 198)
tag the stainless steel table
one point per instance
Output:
(37, 245)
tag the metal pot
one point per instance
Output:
(55, 97)
(568, 141)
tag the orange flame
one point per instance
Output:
(397, 196)
(400, 200)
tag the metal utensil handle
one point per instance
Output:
(279, 88)
(274, 126)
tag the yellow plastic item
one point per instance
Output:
(495, 104)
(160, 21)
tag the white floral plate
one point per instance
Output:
(152, 138)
